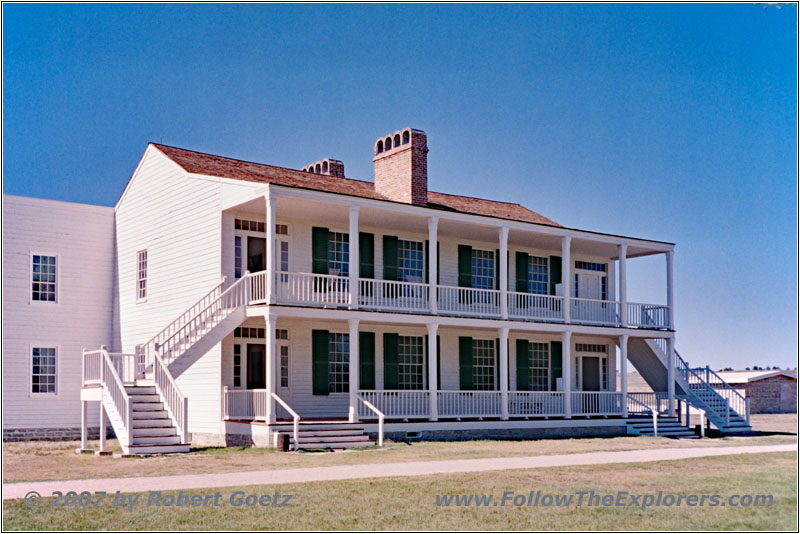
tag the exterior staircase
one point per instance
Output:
(701, 387)
(668, 427)
(325, 436)
(153, 430)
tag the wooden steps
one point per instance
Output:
(153, 430)
(668, 427)
(326, 436)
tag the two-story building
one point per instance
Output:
(250, 302)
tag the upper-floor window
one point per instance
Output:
(339, 254)
(250, 226)
(482, 269)
(43, 370)
(141, 275)
(410, 362)
(43, 278)
(410, 259)
(537, 275)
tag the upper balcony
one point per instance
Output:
(412, 259)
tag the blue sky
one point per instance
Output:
(674, 122)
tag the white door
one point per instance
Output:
(589, 285)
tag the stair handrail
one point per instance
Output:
(377, 412)
(653, 412)
(111, 382)
(177, 405)
(295, 419)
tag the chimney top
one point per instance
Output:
(327, 166)
(401, 139)
(401, 166)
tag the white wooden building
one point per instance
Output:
(239, 303)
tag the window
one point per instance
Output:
(410, 258)
(43, 371)
(339, 254)
(537, 275)
(237, 256)
(250, 226)
(251, 332)
(43, 278)
(141, 275)
(482, 269)
(284, 259)
(237, 366)
(483, 364)
(281, 333)
(590, 266)
(339, 363)
(540, 366)
(410, 362)
(284, 352)
(281, 229)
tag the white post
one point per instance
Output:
(623, 283)
(504, 272)
(655, 422)
(354, 368)
(433, 267)
(271, 367)
(84, 424)
(433, 372)
(671, 376)
(623, 372)
(354, 259)
(503, 372)
(566, 282)
(702, 423)
(670, 288)
(103, 429)
(270, 248)
(566, 372)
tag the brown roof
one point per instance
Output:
(210, 165)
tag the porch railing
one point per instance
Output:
(392, 295)
(313, 289)
(469, 301)
(396, 403)
(590, 311)
(469, 403)
(535, 307)
(126, 366)
(245, 404)
(648, 315)
(596, 403)
(658, 401)
(535, 403)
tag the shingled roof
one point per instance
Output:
(210, 165)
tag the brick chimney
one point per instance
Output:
(401, 167)
(327, 166)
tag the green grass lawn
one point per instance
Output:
(410, 503)
(43, 460)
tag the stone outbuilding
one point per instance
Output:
(769, 391)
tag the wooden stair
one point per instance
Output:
(325, 436)
(153, 430)
(668, 427)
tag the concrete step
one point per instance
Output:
(284, 427)
(337, 445)
(147, 406)
(330, 439)
(325, 433)
(158, 449)
(156, 422)
(156, 440)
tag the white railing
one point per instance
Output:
(397, 403)
(258, 287)
(313, 289)
(535, 307)
(377, 412)
(469, 301)
(637, 406)
(596, 403)
(648, 315)
(590, 311)
(126, 366)
(469, 403)
(176, 404)
(658, 401)
(245, 404)
(92, 367)
(535, 403)
(113, 385)
(295, 419)
(392, 295)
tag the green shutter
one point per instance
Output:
(366, 255)
(320, 361)
(390, 261)
(464, 266)
(523, 365)
(320, 238)
(465, 363)
(523, 261)
(391, 366)
(366, 360)
(555, 273)
(555, 363)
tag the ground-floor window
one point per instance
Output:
(540, 366)
(43, 371)
(281, 337)
(410, 362)
(483, 363)
(237, 366)
(339, 363)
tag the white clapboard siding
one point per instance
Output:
(82, 237)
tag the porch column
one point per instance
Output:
(433, 264)
(84, 423)
(271, 271)
(504, 272)
(566, 283)
(671, 375)
(623, 282)
(670, 289)
(103, 428)
(354, 368)
(271, 366)
(433, 372)
(503, 372)
(354, 258)
(566, 372)
(623, 372)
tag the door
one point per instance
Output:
(590, 373)
(256, 254)
(256, 366)
(589, 286)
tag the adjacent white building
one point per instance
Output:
(239, 302)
